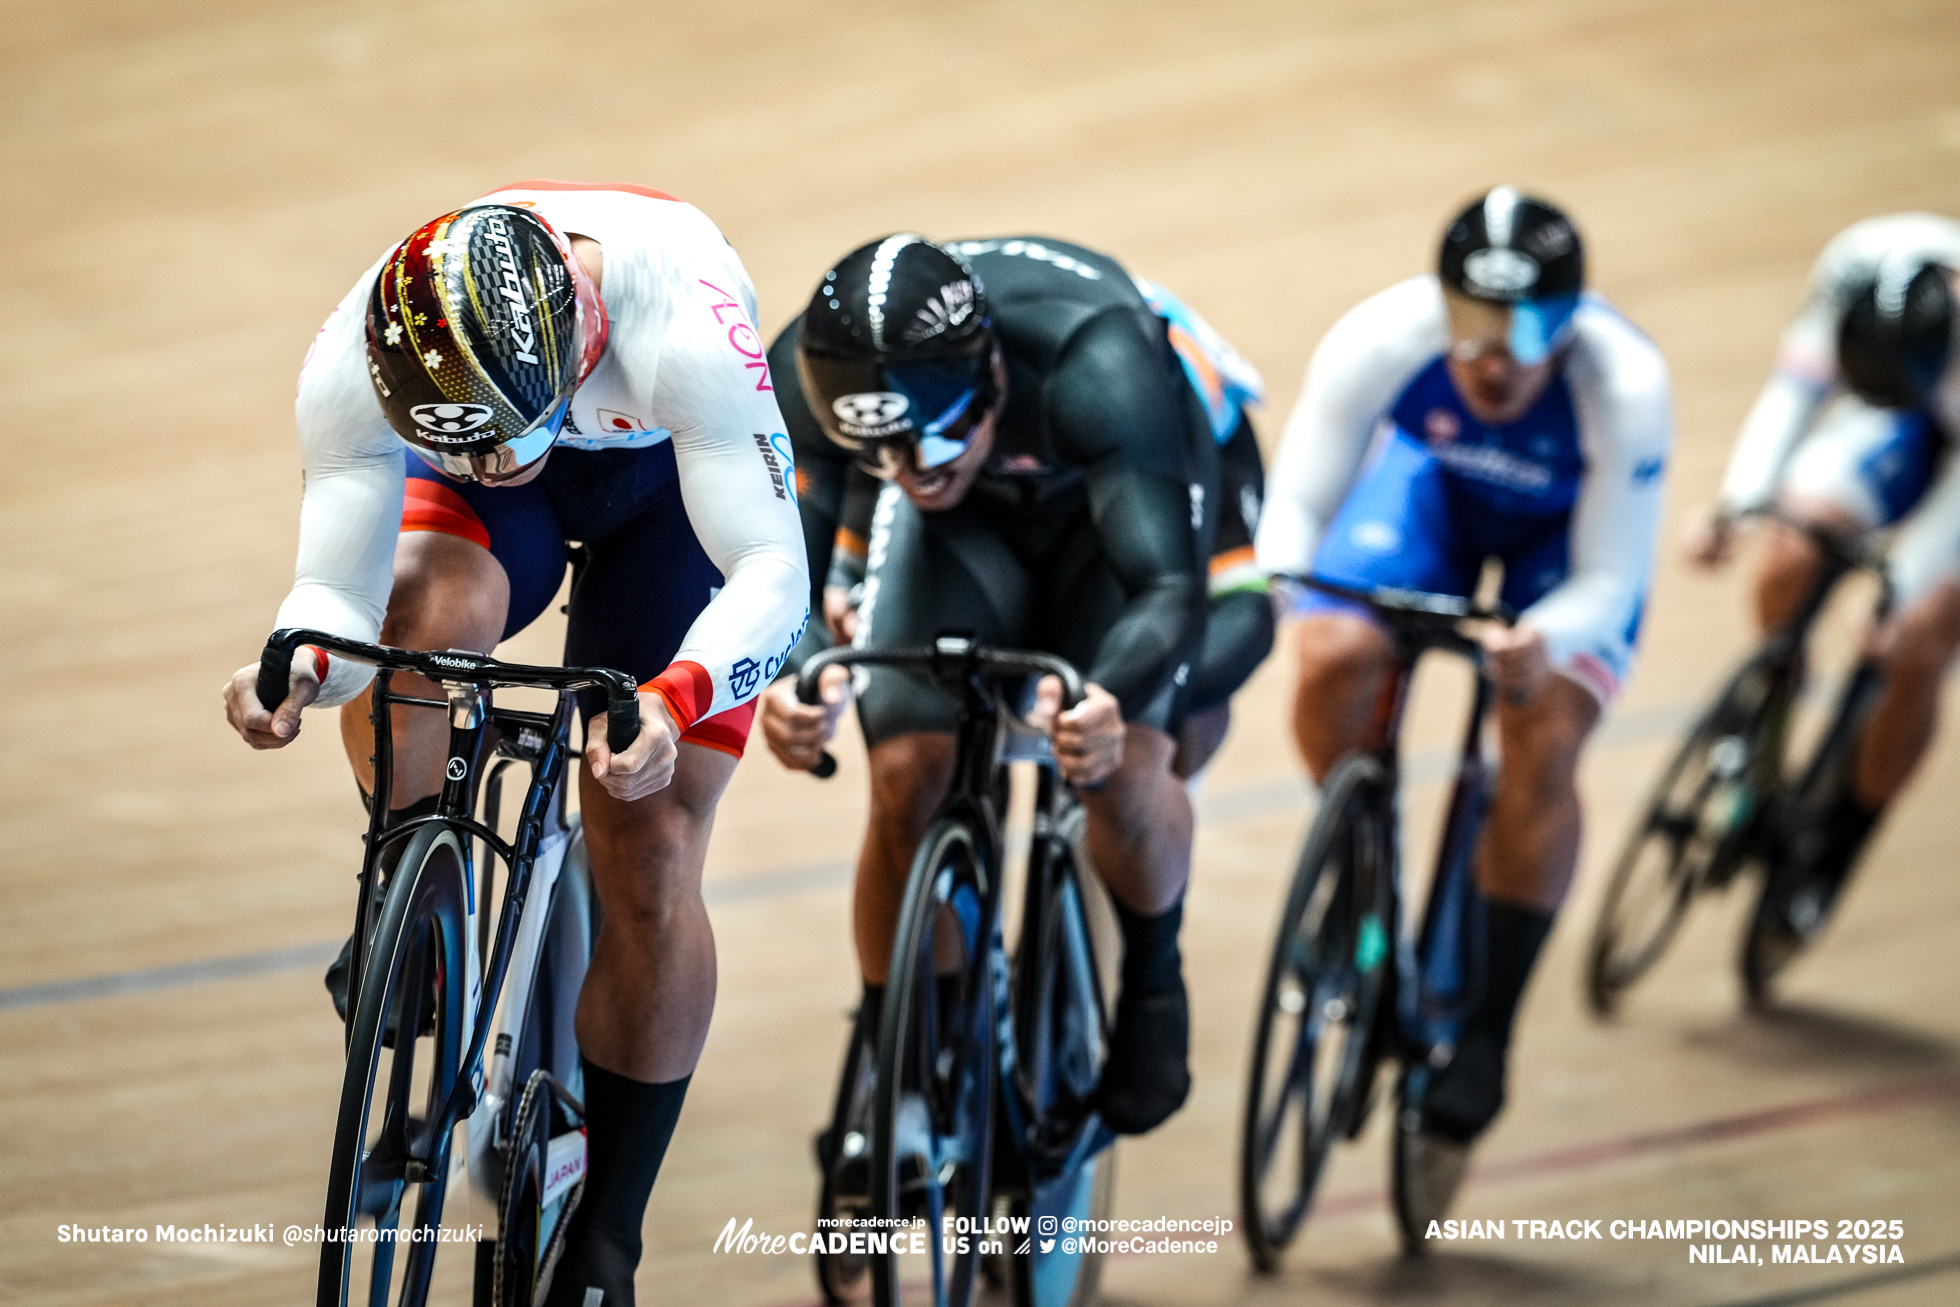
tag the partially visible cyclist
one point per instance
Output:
(1493, 410)
(1850, 433)
(1050, 476)
(1240, 619)
(560, 362)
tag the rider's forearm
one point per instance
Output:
(345, 571)
(1777, 420)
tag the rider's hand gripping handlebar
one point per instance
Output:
(454, 667)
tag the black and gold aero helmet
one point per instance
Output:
(896, 354)
(474, 335)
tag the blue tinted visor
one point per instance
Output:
(941, 393)
(1538, 327)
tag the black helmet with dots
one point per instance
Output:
(1897, 333)
(896, 354)
(1510, 248)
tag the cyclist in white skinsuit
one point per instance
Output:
(1494, 410)
(559, 362)
(1850, 432)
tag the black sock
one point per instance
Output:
(628, 1124)
(1466, 1096)
(1151, 961)
(1840, 832)
(1514, 934)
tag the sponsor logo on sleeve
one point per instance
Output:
(767, 448)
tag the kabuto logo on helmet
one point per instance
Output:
(523, 334)
(1500, 272)
(451, 419)
(872, 414)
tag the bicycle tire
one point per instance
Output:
(841, 1275)
(415, 976)
(1072, 981)
(1331, 960)
(1695, 830)
(1823, 779)
(932, 1111)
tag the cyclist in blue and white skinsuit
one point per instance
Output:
(1850, 432)
(561, 362)
(1495, 410)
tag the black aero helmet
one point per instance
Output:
(1895, 336)
(474, 337)
(1510, 248)
(896, 351)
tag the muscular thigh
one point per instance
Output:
(929, 574)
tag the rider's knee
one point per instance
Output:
(1336, 647)
(448, 593)
(909, 776)
(1921, 639)
(1543, 736)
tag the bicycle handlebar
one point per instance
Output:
(455, 667)
(947, 659)
(1421, 606)
(1849, 548)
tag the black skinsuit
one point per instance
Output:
(1088, 531)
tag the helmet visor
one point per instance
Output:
(921, 411)
(502, 461)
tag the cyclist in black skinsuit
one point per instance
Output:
(1239, 623)
(1052, 483)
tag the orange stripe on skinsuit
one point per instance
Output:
(686, 689)
(1230, 559)
(1194, 354)
(431, 506)
(726, 731)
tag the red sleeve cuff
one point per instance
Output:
(686, 689)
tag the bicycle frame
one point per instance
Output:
(1439, 970)
(477, 732)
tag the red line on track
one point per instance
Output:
(1605, 1152)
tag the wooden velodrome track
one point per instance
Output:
(193, 187)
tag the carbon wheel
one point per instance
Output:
(1065, 998)
(1313, 1055)
(1694, 833)
(415, 979)
(932, 1111)
(843, 1161)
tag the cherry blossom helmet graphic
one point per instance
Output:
(478, 331)
(897, 355)
(1896, 335)
(1513, 249)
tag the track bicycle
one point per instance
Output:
(1734, 797)
(974, 1100)
(428, 967)
(1347, 986)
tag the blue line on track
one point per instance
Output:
(1237, 803)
